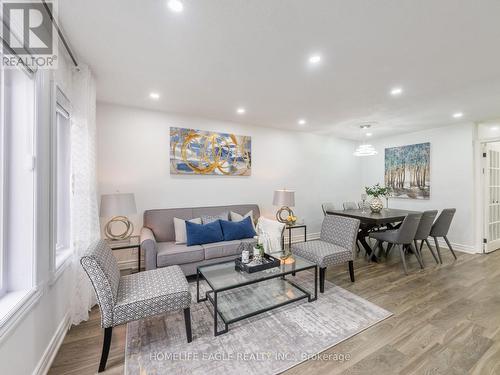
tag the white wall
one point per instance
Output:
(133, 156)
(452, 176)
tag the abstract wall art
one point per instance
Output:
(407, 171)
(199, 152)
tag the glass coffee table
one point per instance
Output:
(237, 295)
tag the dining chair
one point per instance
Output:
(402, 237)
(350, 206)
(123, 299)
(423, 232)
(441, 228)
(327, 207)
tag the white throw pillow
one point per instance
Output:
(237, 217)
(180, 229)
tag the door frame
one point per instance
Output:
(480, 193)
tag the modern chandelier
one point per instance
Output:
(365, 149)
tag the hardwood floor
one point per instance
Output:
(446, 321)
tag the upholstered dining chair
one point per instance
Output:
(336, 245)
(350, 206)
(327, 207)
(423, 232)
(403, 236)
(123, 299)
(441, 228)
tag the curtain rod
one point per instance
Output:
(59, 32)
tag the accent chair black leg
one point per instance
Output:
(322, 272)
(449, 247)
(187, 322)
(438, 250)
(432, 251)
(108, 332)
(351, 270)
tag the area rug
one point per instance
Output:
(268, 343)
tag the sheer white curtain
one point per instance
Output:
(84, 209)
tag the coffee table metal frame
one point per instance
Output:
(215, 291)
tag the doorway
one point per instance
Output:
(491, 193)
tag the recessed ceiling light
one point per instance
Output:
(241, 111)
(154, 96)
(315, 59)
(175, 6)
(369, 134)
(302, 121)
(458, 115)
(396, 91)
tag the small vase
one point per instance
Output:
(376, 205)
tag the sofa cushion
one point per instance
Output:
(221, 249)
(225, 248)
(170, 253)
(180, 228)
(199, 234)
(237, 230)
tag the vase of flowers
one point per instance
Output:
(376, 191)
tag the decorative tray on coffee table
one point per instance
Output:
(267, 262)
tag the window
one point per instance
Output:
(61, 178)
(17, 180)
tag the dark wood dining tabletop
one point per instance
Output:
(386, 216)
(370, 220)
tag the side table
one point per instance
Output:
(289, 229)
(131, 243)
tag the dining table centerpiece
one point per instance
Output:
(376, 191)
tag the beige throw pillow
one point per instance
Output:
(237, 217)
(180, 229)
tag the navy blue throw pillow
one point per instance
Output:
(237, 230)
(199, 234)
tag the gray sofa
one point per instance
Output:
(158, 239)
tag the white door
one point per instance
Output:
(491, 172)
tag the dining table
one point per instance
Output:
(371, 221)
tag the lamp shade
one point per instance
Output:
(117, 205)
(284, 198)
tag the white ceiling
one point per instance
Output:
(221, 54)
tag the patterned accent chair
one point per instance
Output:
(337, 245)
(123, 299)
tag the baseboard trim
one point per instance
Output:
(55, 343)
(456, 246)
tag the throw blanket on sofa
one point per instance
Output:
(269, 232)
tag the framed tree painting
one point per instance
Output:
(407, 171)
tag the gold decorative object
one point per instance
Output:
(129, 228)
(117, 206)
(209, 153)
(285, 199)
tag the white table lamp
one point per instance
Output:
(284, 199)
(118, 206)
